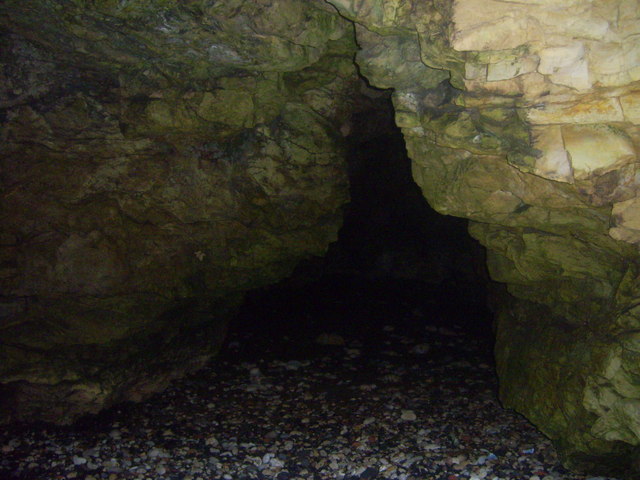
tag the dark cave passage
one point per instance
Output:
(397, 262)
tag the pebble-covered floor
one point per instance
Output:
(411, 403)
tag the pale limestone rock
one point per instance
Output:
(580, 43)
(391, 10)
(475, 72)
(491, 25)
(588, 110)
(626, 216)
(596, 149)
(497, 34)
(406, 101)
(554, 162)
(578, 22)
(511, 86)
(495, 25)
(606, 59)
(618, 417)
(575, 76)
(631, 107)
(566, 65)
(511, 68)
(632, 56)
(553, 59)
(534, 85)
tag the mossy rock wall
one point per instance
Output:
(158, 159)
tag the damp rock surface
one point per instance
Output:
(410, 395)
(152, 171)
(522, 117)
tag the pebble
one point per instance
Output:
(408, 415)
(347, 411)
(420, 349)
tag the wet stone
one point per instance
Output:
(413, 403)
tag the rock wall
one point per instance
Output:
(523, 117)
(157, 160)
(160, 158)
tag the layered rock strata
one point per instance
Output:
(157, 160)
(523, 117)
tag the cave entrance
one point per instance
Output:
(397, 265)
(376, 360)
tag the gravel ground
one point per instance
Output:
(416, 403)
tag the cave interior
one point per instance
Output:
(396, 262)
(189, 187)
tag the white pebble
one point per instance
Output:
(211, 441)
(276, 463)
(408, 415)
(153, 453)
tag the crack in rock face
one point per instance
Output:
(159, 160)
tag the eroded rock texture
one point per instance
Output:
(523, 117)
(158, 159)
